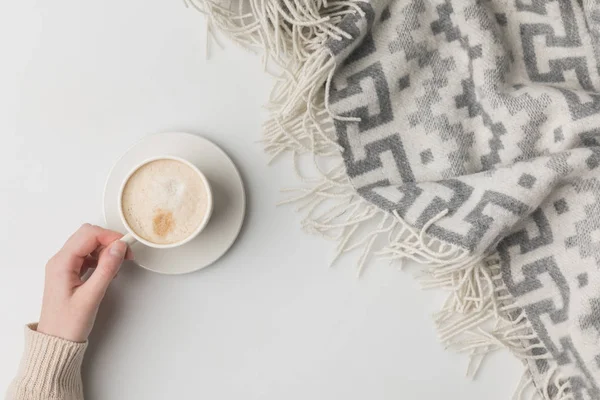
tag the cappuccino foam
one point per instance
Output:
(164, 201)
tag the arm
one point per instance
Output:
(51, 364)
(49, 370)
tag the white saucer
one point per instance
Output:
(228, 195)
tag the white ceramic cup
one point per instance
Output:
(131, 237)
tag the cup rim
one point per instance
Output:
(201, 226)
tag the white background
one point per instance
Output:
(80, 81)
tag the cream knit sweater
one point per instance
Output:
(50, 369)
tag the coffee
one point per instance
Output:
(164, 201)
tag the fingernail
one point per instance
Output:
(118, 249)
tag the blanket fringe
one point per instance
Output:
(478, 317)
(555, 388)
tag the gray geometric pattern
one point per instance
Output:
(561, 206)
(527, 181)
(590, 139)
(593, 319)
(582, 279)
(426, 157)
(489, 110)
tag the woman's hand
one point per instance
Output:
(70, 303)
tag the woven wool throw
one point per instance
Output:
(463, 134)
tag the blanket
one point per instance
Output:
(463, 134)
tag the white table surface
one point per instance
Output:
(80, 81)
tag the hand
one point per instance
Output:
(70, 302)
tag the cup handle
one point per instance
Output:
(129, 239)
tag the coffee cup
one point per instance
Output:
(164, 202)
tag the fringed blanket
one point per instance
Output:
(468, 139)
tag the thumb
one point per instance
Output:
(109, 263)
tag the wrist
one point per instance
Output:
(59, 329)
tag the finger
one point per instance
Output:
(88, 262)
(96, 253)
(108, 265)
(87, 239)
(91, 261)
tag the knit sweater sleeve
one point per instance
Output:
(50, 369)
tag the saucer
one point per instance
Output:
(228, 198)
